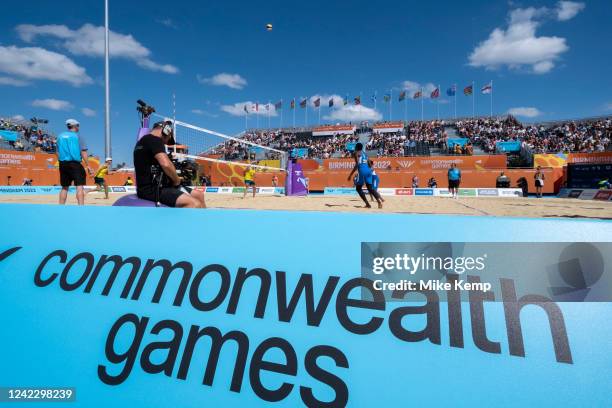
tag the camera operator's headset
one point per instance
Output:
(167, 130)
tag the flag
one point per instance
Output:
(487, 89)
(402, 96)
(303, 103)
(417, 95)
(468, 90)
(435, 93)
(357, 100)
(278, 105)
(246, 110)
(256, 106)
(317, 102)
(331, 102)
(267, 106)
(387, 97)
(373, 98)
(345, 101)
(292, 104)
(452, 90)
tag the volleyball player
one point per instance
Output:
(364, 176)
(375, 181)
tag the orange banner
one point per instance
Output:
(497, 161)
(590, 158)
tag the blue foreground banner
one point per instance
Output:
(173, 308)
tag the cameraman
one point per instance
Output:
(150, 151)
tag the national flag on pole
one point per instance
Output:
(267, 106)
(345, 101)
(256, 106)
(435, 93)
(402, 96)
(357, 100)
(292, 104)
(468, 90)
(487, 89)
(278, 105)
(303, 103)
(331, 102)
(387, 97)
(373, 98)
(452, 90)
(417, 95)
(246, 110)
(317, 102)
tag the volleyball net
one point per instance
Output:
(198, 143)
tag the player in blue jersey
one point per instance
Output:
(364, 176)
(375, 181)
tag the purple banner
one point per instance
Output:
(295, 184)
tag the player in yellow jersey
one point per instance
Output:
(249, 181)
(99, 177)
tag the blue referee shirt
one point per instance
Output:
(69, 146)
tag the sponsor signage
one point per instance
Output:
(510, 192)
(386, 191)
(603, 195)
(442, 192)
(119, 189)
(487, 192)
(423, 191)
(574, 193)
(587, 194)
(212, 189)
(339, 191)
(495, 161)
(467, 192)
(403, 191)
(152, 322)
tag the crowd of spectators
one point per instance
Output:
(31, 137)
(574, 136)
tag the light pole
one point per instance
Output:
(107, 130)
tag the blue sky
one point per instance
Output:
(547, 59)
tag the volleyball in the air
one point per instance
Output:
(269, 27)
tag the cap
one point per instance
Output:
(109, 159)
(72, 122)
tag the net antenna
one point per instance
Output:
(198, 143)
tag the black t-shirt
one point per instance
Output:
(144, 157)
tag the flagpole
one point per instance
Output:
(455, 101)
(405, 109)
(281, 116)
(269, 112)
(246, 120)
(257, 115)
(319, 109)
(491, 112)
(375, 98)
(294, 112)
(422, 97)
(306, 113)
(473, 101)
(438, 103)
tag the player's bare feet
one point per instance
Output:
(367, 206)
(380, 205)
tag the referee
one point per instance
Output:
(71, 152)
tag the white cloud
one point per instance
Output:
(237, 109)
(18, 117)
(204, 113)
(12, 81)
(353, 113)
(233, 81)
(89, 41)
(566, 10)
(608, 107)
(88, 112)
(527, 112)
(53, 104)
(518, 45)
(411, 87)
(31, 63)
